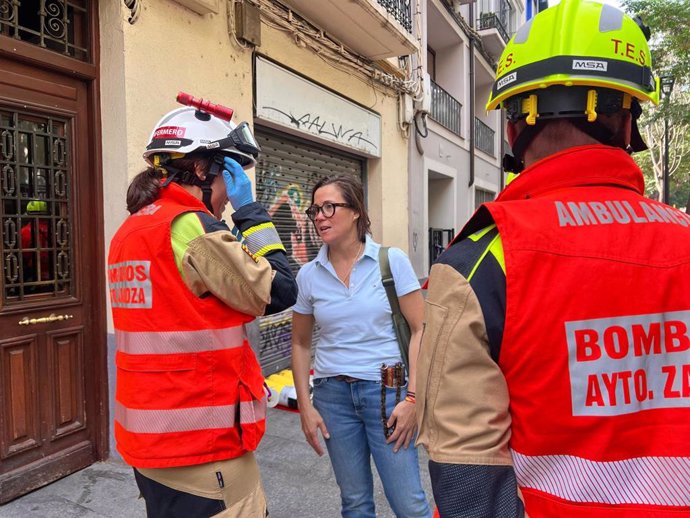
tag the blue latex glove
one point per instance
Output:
(237, 184)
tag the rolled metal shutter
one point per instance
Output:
(287, 170)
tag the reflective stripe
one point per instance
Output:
(642, 480)
(260, 237)
(188, 419)
(177, 420)
(253, 411)
(172, 342)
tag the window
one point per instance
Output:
(431, 62)
(482, 196)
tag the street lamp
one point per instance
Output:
(666, 90)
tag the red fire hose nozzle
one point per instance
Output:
(217, 110)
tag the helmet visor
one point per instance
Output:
(243, 139)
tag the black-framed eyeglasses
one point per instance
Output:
(327, 209)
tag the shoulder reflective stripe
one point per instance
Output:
(491, 248)
(611, 19)
(171, 342)
(261, 236)
(478, 235)
(496, 248)
(642, 480)
(177, 420)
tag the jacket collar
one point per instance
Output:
(177, 194)
(576, 167)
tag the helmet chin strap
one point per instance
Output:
(189, 178)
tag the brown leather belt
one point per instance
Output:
(346, 379)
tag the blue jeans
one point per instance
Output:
(352, 413)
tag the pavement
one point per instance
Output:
(298, 483)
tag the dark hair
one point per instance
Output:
(145, 188)
(353, 192)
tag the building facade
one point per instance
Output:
(83, 83)
(457, 149)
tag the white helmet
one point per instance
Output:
(185, 130)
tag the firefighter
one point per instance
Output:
(554, 374)
(190, 407)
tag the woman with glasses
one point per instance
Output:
(359, 413)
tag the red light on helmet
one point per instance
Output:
(217, 110)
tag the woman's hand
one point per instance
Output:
(405, 422)
(311, 423)
(237, 183)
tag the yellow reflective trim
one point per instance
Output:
(256, 228)
(591, 110)
(269, 248)
(184, 229)
(496, 248)
(478, 235)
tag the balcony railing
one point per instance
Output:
(484, 137)
(445, 109)
(493, 21)
(400, 10)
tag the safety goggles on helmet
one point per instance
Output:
(241, 139)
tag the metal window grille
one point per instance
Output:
(445, 109)
(484, 137)
(35, 206)
(400, 10)
(57, 25)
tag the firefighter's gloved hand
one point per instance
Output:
(237, 183)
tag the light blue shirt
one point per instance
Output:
(357, 333)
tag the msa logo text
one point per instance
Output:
(599, 66)
(506, 80)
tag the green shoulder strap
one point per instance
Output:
(388, 281)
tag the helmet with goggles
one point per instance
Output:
(199, 128)
(202, 127)
(577, 59)
(187, 130)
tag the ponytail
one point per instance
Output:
(144, 189)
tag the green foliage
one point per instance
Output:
(669, 21)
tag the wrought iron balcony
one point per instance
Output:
(495, 25)
(492, 21)
(445, 109)
(401, 11)
(375, 29)
(484, 137)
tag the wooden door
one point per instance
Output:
(52, 341)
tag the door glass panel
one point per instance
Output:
(35, 172)
(57, 25)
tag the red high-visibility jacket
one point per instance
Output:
(596, 345)
(189, 388)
